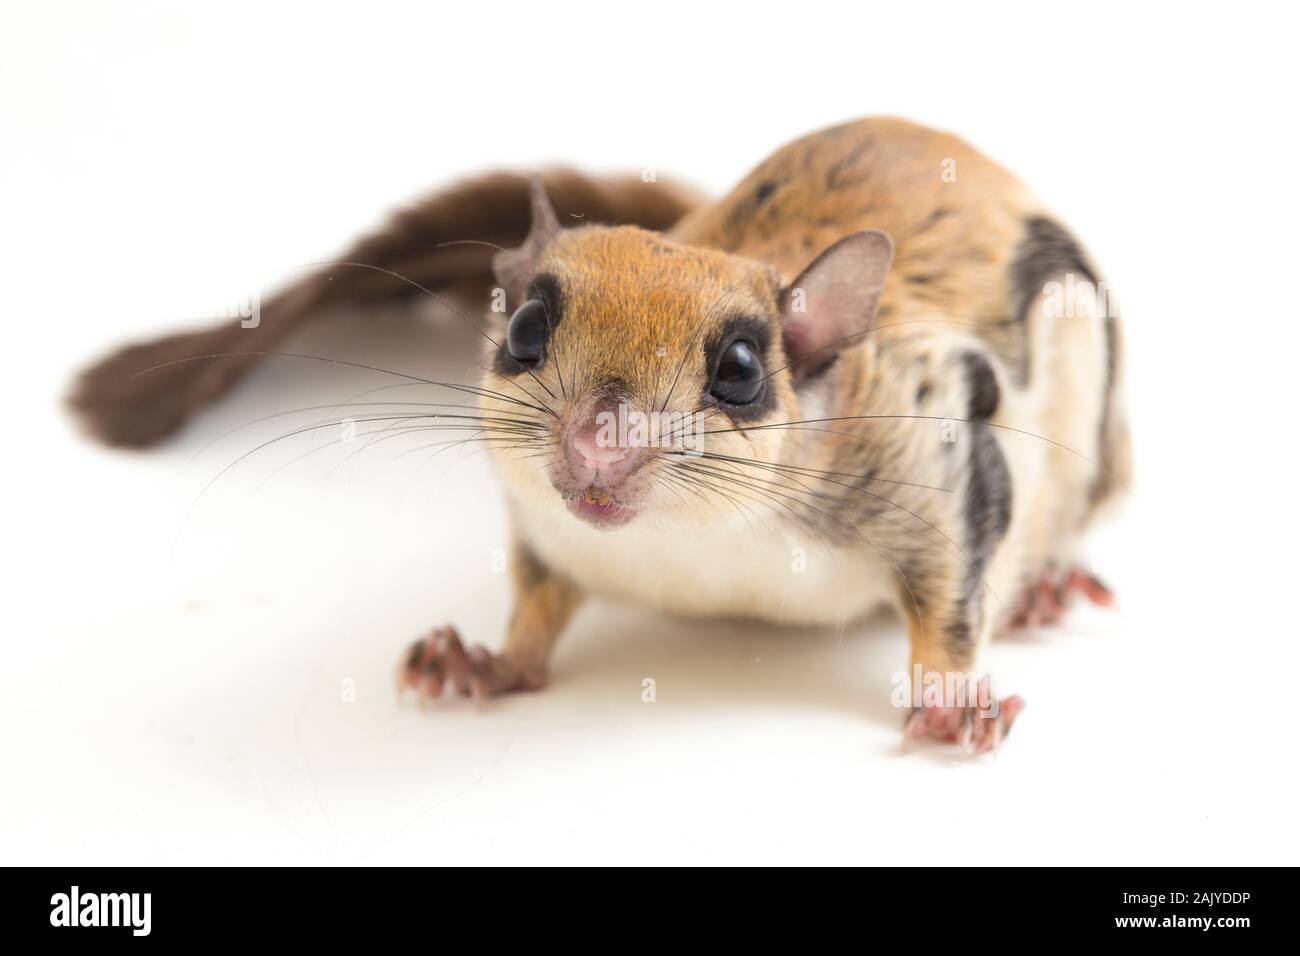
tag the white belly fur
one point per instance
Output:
(729, 569)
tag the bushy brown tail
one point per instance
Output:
(142, 393)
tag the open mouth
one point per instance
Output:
(594, 505)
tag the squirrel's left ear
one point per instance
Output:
(833, 302)
(514, 268)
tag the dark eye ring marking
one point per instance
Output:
(529, 328)
(732, 385)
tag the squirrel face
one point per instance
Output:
(648, 369)
(643, 359)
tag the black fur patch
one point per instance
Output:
(987, 505)
(988, 497)
(982, 392)
(1046, 251)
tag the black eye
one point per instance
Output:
(526, 333)
(739, 378)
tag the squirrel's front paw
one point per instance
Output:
(977, 726)
(441, 659)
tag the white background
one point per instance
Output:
(173, 678)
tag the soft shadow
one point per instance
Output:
(707, 667)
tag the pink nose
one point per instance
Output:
(598, 454)
(591, 454)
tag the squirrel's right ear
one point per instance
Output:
(515, 267)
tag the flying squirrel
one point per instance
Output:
(876, 373)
